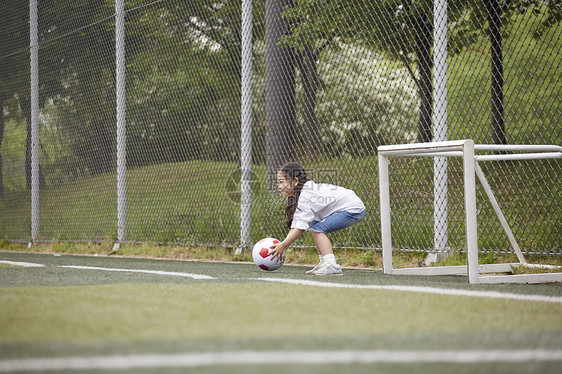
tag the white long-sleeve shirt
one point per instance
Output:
(319, 200)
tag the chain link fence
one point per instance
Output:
(215, 88)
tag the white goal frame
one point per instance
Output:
(465, 149)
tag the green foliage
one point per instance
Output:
(181, 110)
(453, 259)
(13, 155)
(488, 258)
(390, 25)
(364, 101)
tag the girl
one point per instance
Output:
(319, 208)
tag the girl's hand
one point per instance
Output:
(278, 250)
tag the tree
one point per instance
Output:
(62, 77)
(496, 17)
(494, 10)
(307, 63)
(184, 81)
(280, 91)
(403, 29)
(2, 124)
(499, 14)
(14, 61)
(77, 65)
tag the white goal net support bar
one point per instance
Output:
(467, 150)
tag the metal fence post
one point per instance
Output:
(34, 51)
(440, 125)
(246, 129)
(121, 122)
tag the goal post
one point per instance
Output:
(469, 152)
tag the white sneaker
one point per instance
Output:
(311, 271)
(327, 269)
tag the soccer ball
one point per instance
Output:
(261, 256)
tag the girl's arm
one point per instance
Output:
(280, 248)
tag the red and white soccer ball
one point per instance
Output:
(261, 256)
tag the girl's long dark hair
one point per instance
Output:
(293, 170)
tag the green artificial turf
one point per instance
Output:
(56, 311)
(131, 312)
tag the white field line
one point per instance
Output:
(420, 289)
(171, 273)
(24, 264)
(127, 362)
(432, 290)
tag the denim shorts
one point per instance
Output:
(336, 221)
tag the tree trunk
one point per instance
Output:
(494, 21)
(26, 110)
(2, 124)
(280, 109)
(309, 74)
(423, 46)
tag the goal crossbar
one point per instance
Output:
(471, 169)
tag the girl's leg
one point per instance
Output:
(335, 222)
(323, 243)
(327, 265)
(319, 229)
